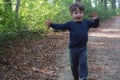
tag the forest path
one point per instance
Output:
(104, 53)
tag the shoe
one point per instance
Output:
(83, 79)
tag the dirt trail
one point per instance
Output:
(104, 53)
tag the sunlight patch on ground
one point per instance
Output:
(107, 35)
(108, 30)
(97, 43)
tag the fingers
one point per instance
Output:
(48, 23)
(94, 15)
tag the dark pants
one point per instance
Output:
(78, 61)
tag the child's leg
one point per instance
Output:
(74, 63)
(83, 67)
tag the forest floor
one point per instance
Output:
(47, 58)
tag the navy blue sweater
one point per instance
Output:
(78, 31)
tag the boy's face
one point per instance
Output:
(77, 15)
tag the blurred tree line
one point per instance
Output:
(18, 17)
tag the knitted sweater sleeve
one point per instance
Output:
(63, 26)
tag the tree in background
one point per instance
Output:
(114, 4)
(8, 16)
(77, 0)
(101, 1)
(119, 3)
(30, 15)
(105, 4)
(17, 9)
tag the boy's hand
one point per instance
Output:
(94, 15)
(48, 23)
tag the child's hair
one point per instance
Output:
(76, 6)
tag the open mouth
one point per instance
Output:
(78, 18)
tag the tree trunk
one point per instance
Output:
(17, 9)
(8, 17)
(77, 0)
(114, 4)
(101, 1)
(105, 4)
(119, 3)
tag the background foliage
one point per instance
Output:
(33, 14)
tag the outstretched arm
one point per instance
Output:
(57, 26)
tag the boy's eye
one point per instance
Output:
(75, 12)
(80, 12)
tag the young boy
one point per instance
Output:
(78, 28)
